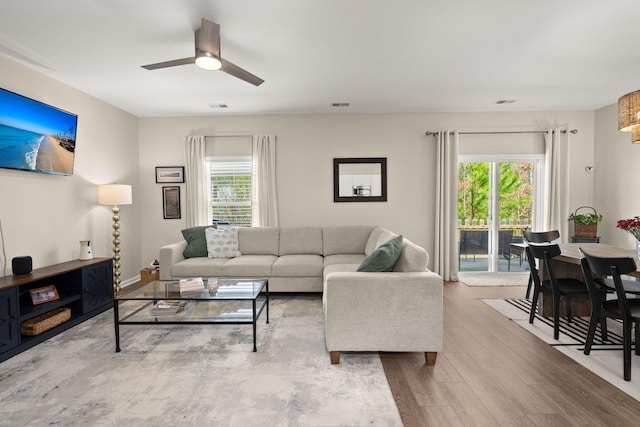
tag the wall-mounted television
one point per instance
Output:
(35, 136)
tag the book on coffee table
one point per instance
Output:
(192, 281)
(191, 286)
(168, 307)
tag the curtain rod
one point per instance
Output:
(573, 131)
(227, 136)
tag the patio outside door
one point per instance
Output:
(506, 187)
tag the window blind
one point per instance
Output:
(231, 191)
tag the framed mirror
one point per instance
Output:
(360, 179)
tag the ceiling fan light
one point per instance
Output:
(207, 61)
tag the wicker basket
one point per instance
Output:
(45, 321)
(583, 230)
(149, 274)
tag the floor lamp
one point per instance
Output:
(114, 194)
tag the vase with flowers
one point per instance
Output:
(631, 226)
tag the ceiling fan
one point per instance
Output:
(208, 55)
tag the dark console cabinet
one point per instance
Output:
(97, 287)
(84, 287)
(9, 328)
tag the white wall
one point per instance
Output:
(305, 150)
(307, 145)
(46, 215)
(617, 174)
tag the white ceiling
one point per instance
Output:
(378, 55)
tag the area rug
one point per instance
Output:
(197, 375)
(487, 279)
(605, 359)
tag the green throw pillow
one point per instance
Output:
(196, 242)
(384, 258)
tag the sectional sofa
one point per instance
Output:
(398, 310)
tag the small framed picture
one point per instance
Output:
(44, 294)
(169, 174)
(171, 202)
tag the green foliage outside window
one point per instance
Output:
(515, 191)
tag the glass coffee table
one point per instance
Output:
(222, 301)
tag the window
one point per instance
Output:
(498, 197)
(230, 196)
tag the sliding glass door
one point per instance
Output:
(497, 200)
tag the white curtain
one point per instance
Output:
(556, 183)
(264, 198)
(446, 216)
(196, 201)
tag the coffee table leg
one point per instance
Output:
(255, 322)
(267, 301)
(116, 324)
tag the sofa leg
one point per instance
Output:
(430, 357)
(335, 357)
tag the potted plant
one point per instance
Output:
(586, 224)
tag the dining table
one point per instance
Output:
(567, 265)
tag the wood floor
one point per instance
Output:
(491, 372)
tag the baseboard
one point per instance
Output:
(131, 281)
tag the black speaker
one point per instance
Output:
(21, 265)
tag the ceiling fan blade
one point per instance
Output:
(208, 38)
(238, 72)
(167, 64)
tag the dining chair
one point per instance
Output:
(504, 240)
(538, 237)
(558, 288)
(627, 310)
(517, 251)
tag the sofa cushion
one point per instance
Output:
(222, 242)
(349, 239)
(384, 258)
(344, 259)
(196, 241)
(379, 235)
(412, 258)
(301, 241)
(249, 266)
(339, 268)
(198, 267)
(297, 266)
(372, 241)
(258, 240)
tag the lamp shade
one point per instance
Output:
(114, 194)
(635, 135)
(629, 111)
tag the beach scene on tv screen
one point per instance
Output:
(35, 136)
